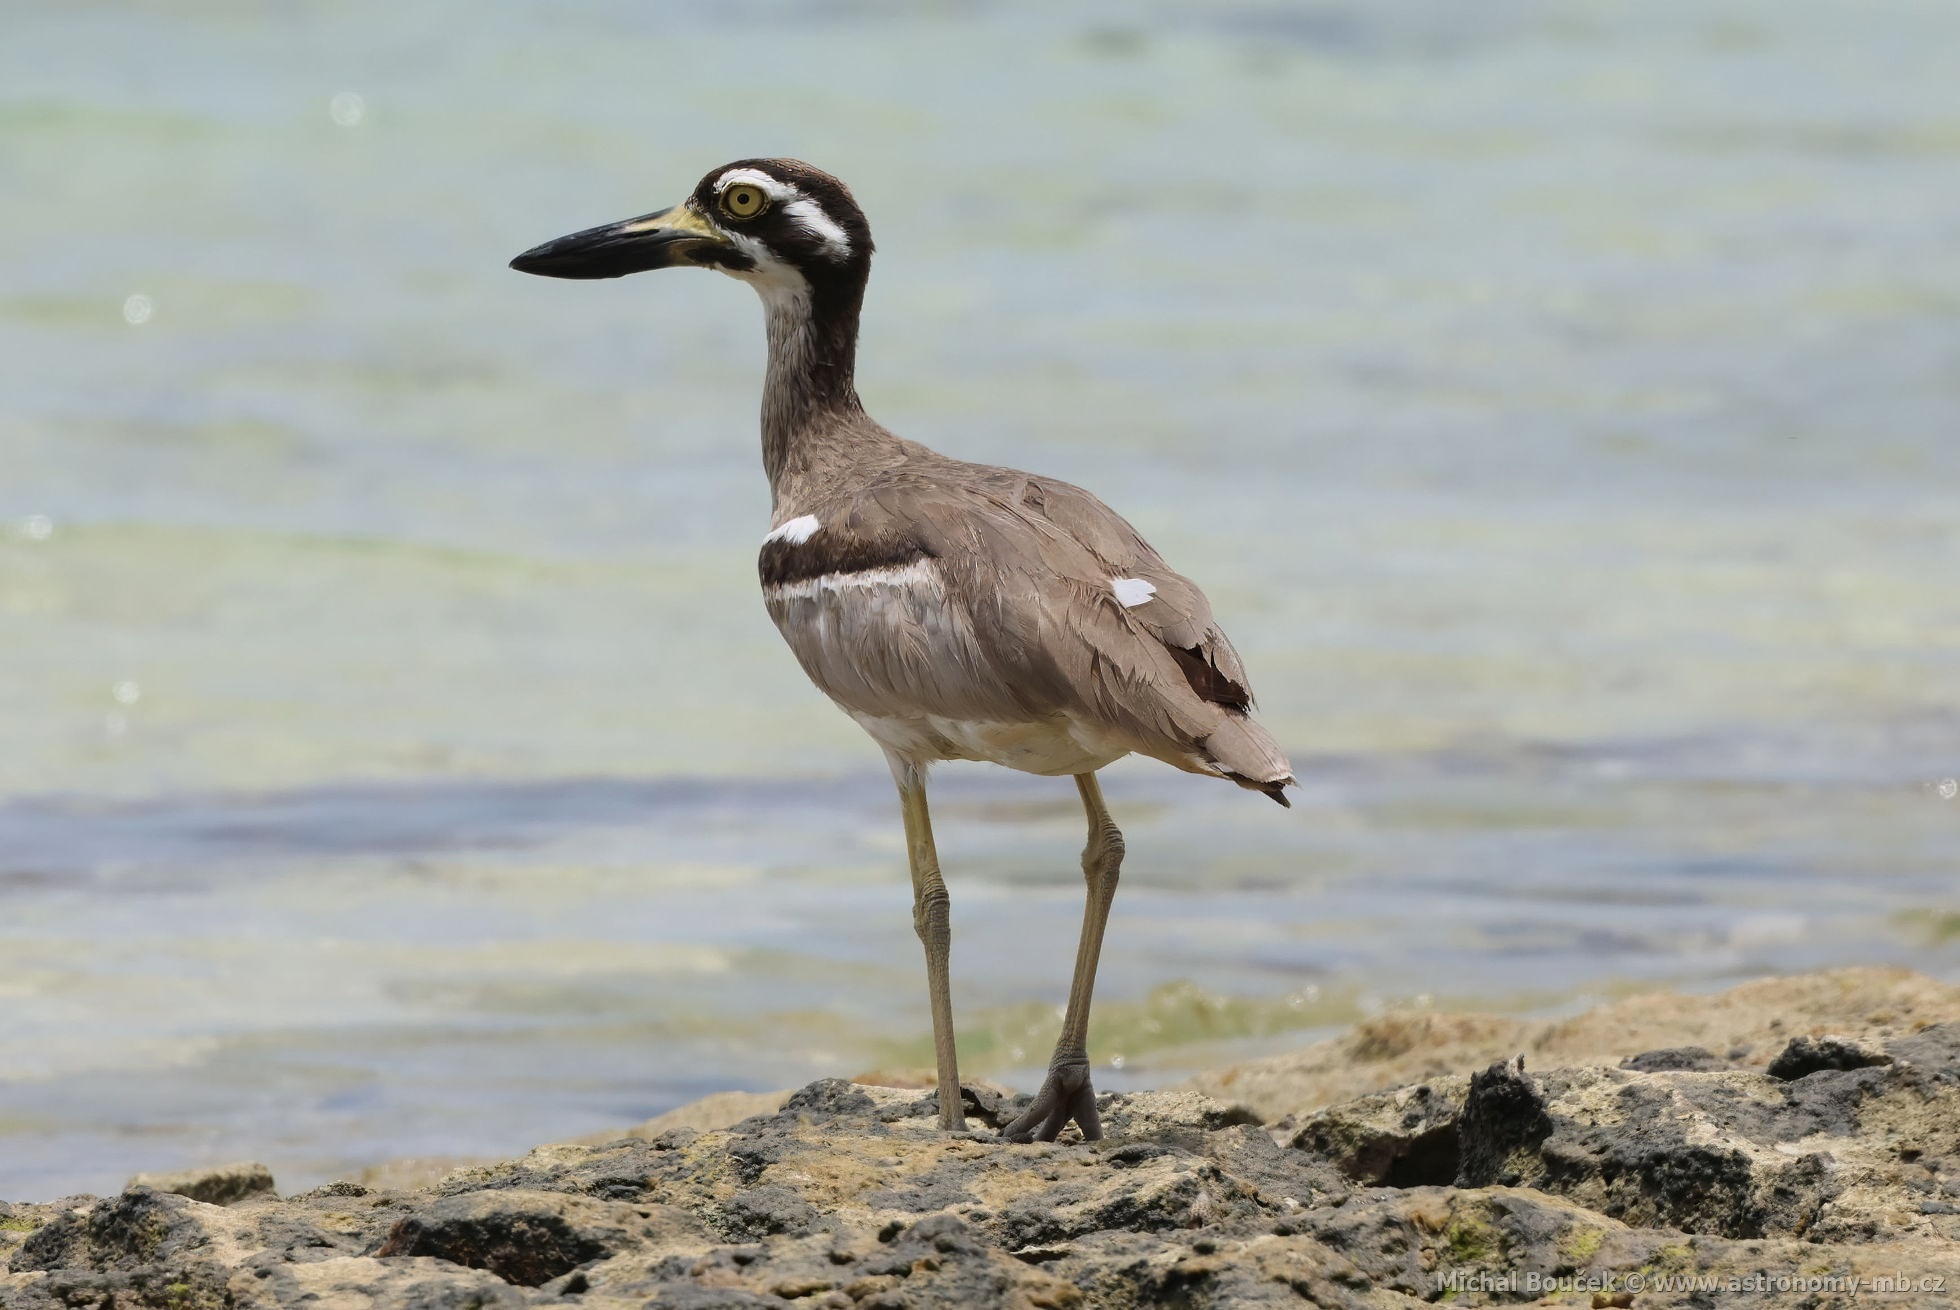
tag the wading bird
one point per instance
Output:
(956, 611)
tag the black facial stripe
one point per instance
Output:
(722, 257)
(789, 239)
(827, 553)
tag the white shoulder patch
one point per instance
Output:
(799, 530)
(1132, 592)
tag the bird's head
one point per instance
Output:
(777, 223)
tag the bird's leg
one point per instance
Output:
(1066, 1093)
(932, 919)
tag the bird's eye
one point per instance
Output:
(743, 201)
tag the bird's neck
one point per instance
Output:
(809, 394)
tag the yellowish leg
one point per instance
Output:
(1067, 1092)
(932, 919)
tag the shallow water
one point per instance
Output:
(1558, 403)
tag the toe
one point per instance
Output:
(1029, 1120)
(1085, 1115)
(1066, 1094)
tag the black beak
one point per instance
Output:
(663, 240)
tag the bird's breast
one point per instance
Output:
(801, 551)
(879, 632)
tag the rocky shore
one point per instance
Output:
(1793, 1142)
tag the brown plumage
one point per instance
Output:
(1029, 562)
(955, 610)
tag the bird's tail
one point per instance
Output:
(1247, 754)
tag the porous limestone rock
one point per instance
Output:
(217, 1185)
(1658, 1177)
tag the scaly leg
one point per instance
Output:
(932, 920)
(1066, 1093)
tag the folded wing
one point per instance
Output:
(1077, 614)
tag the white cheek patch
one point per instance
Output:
(1132, 592)
(808, 215)
(796, 531)
(780, 285)
(758, 253)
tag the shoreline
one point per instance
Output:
(1653, 1151)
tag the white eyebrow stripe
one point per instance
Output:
(797, 531)
(1132, 592)
(809, 215)
(755, 177)
(801, 210)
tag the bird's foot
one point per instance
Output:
(976, 1102)
(1065, 1094)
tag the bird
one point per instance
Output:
(956, 611)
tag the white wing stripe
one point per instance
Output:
(918, 572)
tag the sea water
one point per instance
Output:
(1558, 402)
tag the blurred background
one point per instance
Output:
(1557, 399)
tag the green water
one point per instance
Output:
(1558, 402)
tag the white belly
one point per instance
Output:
(898, 656)
(1052, 747)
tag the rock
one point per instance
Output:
(1746, 1026)
(832, 1098)
(763, 1212)
(523, 1237)
(1403, 1138)
(219, 1185)
(414, 1173)
(1733, 1153)
(139, 1229)
(364, 1283)
(1509, 1245)
(1808, 1055)
(1503, 1128)
(134, 1250)
(721, 1110)
(18, 1221)
(1697, 1173)
(1675, 1059)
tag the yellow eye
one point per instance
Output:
(743, 201)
